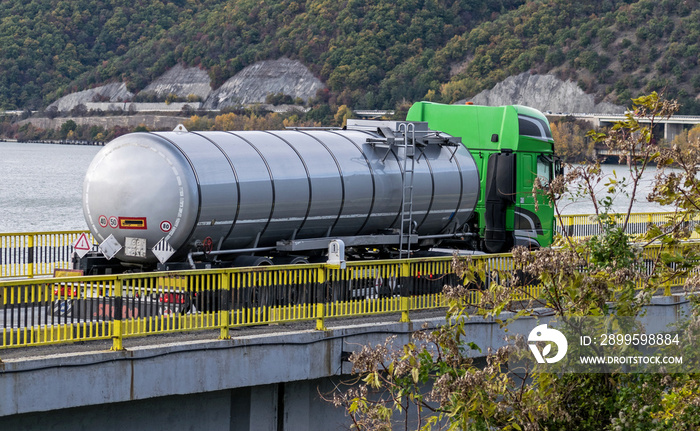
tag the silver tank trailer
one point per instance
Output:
(254, 188)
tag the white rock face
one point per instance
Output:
(546, 93)
(250, 85)
(181, 81)
(255, 82)
(116, 92)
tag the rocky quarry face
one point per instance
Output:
(546, 93)
(250, 85)
(182, 82)
(255, 82)
(290, 77)
(114, 93)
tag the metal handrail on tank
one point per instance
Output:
(409, 152)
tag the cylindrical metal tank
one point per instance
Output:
(254, 188)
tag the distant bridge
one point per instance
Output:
(373, 114)
(672, 126)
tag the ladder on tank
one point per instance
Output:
(409, 151)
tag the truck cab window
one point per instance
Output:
(533, 127)
(544, 170)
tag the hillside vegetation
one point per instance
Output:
(370, 54)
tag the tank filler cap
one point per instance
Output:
(180, 129)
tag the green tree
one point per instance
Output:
(342, 115)
(197, 123)
(687, 139)
(67, 127)
(570, 142)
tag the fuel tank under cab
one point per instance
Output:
(254, 188)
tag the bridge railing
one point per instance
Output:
(34, 254)
(56, 310)
(584, 225)
(67, 309)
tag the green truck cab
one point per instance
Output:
(512, 146)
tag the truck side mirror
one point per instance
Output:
(558, 167)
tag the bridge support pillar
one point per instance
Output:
(264, 408)
(671, 130)
(297, 412)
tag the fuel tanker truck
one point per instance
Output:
(449, 176)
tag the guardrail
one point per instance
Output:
(32, 254)
(585, 225)
(69, 309)
(40, 253)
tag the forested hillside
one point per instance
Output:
(370, 54)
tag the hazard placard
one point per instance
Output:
(82, 245)
(163, 250)
(110, 247)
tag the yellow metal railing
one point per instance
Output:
(584, 225)
(38, 311)
(69, 309)
(41, 253)
(37, 253)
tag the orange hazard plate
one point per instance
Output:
(132, 223)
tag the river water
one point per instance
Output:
(41, 187)
(620, 201)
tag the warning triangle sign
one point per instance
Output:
(82, 245)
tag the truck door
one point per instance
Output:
(528, 229)
(500, 194)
